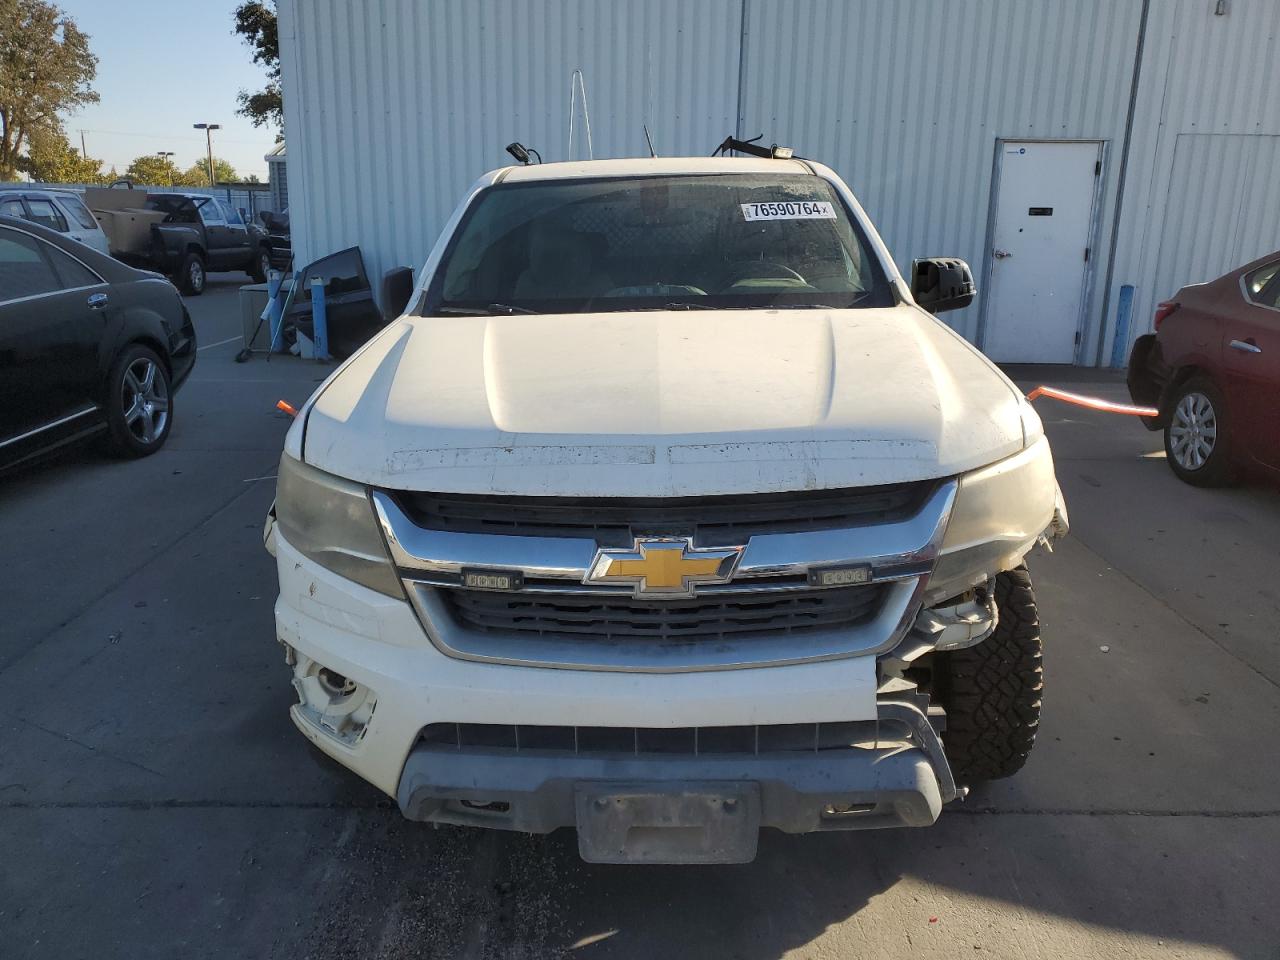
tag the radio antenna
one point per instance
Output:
(578, 83)
(649, 140)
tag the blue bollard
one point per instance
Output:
(319, 319)
(1124, 311)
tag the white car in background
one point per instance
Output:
(60, 210)
(667, 511)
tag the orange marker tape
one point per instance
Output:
(1093, 403)
(287, 407)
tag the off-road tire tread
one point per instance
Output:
(992, 691)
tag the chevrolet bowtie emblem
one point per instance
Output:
(663, 566)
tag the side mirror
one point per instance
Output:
(397, 288)
(942, 283)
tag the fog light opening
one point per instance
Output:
(335, 684)
(337, 705)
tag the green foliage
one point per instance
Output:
(51, 159)
(46, 68)
(155, 171)
(256, 24)
(198, 173)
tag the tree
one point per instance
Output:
(256, 24)
(197, 175)
(154, 171)
(51, 159)
(45, 68)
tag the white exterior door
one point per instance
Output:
(1044, 211)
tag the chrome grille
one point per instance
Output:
(711, 521)
(611, 618)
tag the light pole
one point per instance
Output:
(208, 129)
(164, 156)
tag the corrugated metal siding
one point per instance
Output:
(1196, 205)
(1217, 233)
(906, 102)
(394, 107)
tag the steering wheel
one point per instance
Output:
(761, 269)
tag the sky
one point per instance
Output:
(162, 66)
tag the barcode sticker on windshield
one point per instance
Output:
(789, 210)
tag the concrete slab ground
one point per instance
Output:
(155, 800)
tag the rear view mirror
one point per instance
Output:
(397, 288)
(942, 283)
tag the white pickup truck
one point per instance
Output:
(668, 512)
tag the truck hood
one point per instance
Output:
(663, 404)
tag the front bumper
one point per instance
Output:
(631, 809)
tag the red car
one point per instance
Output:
(1212, 368)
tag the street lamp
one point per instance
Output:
(164, 156)
(208, 129)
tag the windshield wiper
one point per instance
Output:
(685, 305)
(508, 309)
(489, 311)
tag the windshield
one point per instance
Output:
(719, 241)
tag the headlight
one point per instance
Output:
(999, 513)
(331, 521)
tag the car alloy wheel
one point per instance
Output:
(1193, 431)
(145, 400)
(195, 270)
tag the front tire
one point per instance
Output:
(191, 275)
(1197, 435)
(139, 403)
(992, 691)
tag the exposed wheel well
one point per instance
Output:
(142, 339)
(152, 344)
(1179, 377)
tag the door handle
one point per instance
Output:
(1001, 254)
(1245, 346)
(97, 301)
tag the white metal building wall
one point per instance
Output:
(1202, 193)
(906, 102)
(394, 107)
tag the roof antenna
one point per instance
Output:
(649, 140)
(576, 83)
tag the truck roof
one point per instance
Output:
(649, 167)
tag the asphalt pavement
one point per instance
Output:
(155, 800)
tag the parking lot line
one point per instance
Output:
(209, 346)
